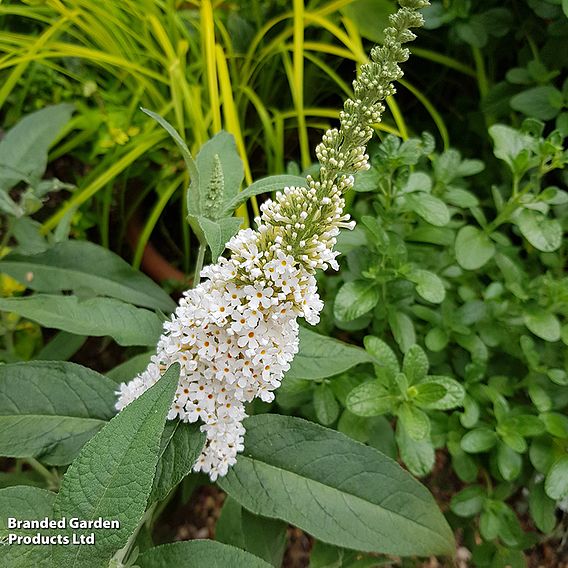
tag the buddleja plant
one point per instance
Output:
(231, 340)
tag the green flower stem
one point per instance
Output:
(199, 263)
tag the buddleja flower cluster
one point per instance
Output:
(235, 334)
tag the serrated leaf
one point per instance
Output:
(428, 285)
(417, 455)
(370, 399)
(264, 185)
(415, 364)
(383, 356)
(126, 324)
(320, 357)
(198, 554)
(473, 248)
(81, 265)
(454, 395)
(415, 422)
(112, 476)
(218, 233)
(542, 233)
(180, 447)
(336, 489)
(49, 410)
(355, 299)
(23, 150)
(24, 503)
(430, 208)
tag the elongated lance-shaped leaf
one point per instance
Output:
(193, 196)
(340, 491)
(80, 265)
(50, 409)
(112, 476)
(126, 324)
(320, 356)
(21, 503)
(198, 554)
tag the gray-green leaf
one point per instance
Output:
(123, 322)
(355, 299)
(24, 503)
(542, 233)
(198, 554)
(82, 266)
(430, 208)
(320, 356)
(338, 490)
(112, 476)
(473, 248)
(50, 409)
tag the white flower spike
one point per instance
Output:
(235, 334)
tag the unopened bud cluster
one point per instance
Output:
(235, 334)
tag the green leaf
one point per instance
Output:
(320, 356)
(126, 371)
(126, 324)
(428, 285)
(415, 422)
(436, 339)
(112, 476)
(23, 503)
(198, 554)
(415, 364)
(555, 424)
(386, 363)
(220, 150)
(218, 233)
(543, 102)
(325, 405)
(370, 399)
(509, 143)
(556, 482)
(543, 324)
(468, 502)
(479, 440)
(454, 395)
(83, 266)
(61, 347)
(264, 185)
(338, 490)
(542, 233)
(460, 197)
(355, 299)
(265, 538)
(180, 447)
(509, 462)
(425, 394)
(542, 508)
(402, 329)
(430, 208)
(565, 7)
(473, 248)
(558, 376)
(193, 194)
(49, 410)
(418, 455)
(23, 150)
